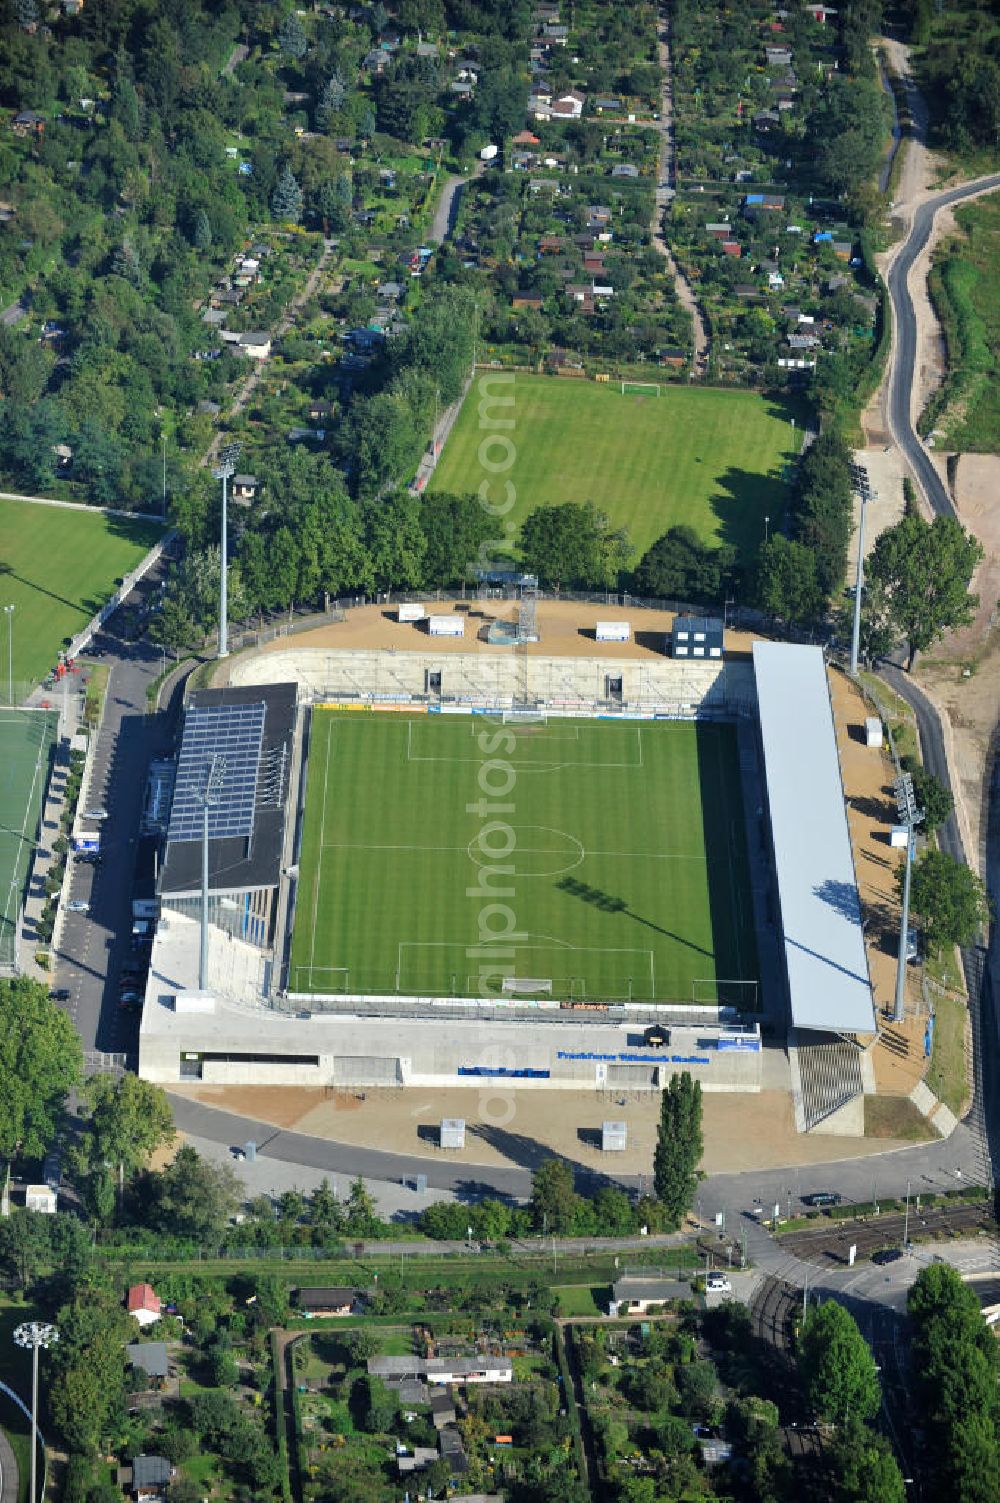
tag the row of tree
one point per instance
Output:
(956, 1372)
(798, 573)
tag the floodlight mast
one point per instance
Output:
(31, 1335)
(210, 797)
(910, 816)
(228, 457)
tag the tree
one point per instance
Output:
(286, 200)
(361, 1213)
(949, 899)
(931, 795)
(918, 576)
(184, 1490)
(201, 234)
(331, 101)
(456, 530)
(128, 1120)
(191, 1197)
(361, 1344)
(679, 1146)
(291, 36)
(838, 1370)
(41, 1061)
(87, 1385)
(787, 584)
(553, 1199)
(680, 566)
(395, 541)
(574, 545)
(866, 1468)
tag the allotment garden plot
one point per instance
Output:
(608, 856)
(707, 459)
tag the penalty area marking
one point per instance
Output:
(529, 943)
(526, 764)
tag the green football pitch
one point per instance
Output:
(711, 459)
(616, 859)
(58, 567)
(26, 741)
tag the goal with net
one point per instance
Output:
(640, 388)
(524, 715)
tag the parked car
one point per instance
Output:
(77, 905)
(822, 1198)
(717, 1283)
(60, 994)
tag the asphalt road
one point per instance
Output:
(94, 947)
(905, 345)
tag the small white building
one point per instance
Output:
(446, 626)
(612, 631)
(41, 1198)
(255, 346)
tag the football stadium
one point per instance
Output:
(579, 860)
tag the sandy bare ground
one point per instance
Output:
(885, 471)
(972, 703)
(741, 1132)
(566, 629)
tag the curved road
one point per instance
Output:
(904, 351)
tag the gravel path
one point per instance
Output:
(668, 174)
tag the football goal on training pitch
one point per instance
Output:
(640, 388)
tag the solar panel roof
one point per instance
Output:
(228, 736)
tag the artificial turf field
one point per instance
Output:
(26, 741)
(629, 858)
(59, 566)
(711, 459)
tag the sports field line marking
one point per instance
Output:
(531, 943)
(526, 850)
(319, 864)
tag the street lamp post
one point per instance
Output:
(228, 457)
(910, 816)
(859, 580)
(8, 611)
(34, 1334)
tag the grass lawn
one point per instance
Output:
(895, 1117)
(26, 741)
(582, 1299)
(946, 1076)
(711, 459)
(629, 868)
(59, 567)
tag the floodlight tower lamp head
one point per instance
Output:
(228, 459)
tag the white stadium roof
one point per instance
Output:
(828, 981)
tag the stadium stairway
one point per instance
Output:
(829, 1077)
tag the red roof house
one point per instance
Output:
(144, 1303)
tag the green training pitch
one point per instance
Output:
(622, 864)
(58, 568)
(26, 741)
(713, 460)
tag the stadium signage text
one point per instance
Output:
(634, 1059)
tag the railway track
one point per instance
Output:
(830, 1244)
